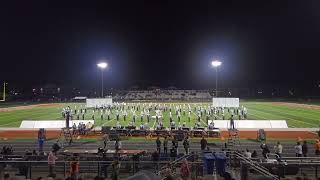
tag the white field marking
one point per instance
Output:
(294, 119)
(283, 116)
(301, 110)
(288, 117)
(108, 122)
(200, 119)
(264, 117)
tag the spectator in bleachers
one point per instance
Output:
(105, 140)
(40, 144)
(265, 149)
(6, 176)
(158, 143)
(74, 166)
(34, 152)
(117, 145)
(165, 145)
(247, 153)
(104, 166)
(51, 163)
(298, 149)
(7, 150)
(184, 170)
(167, 173)
(305, 149)
(203, 144)
(254, 154)
(115, 170)
(186, 145)
(278, 149)
(55, 147)
(317, 147)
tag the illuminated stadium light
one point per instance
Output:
(216, 63)
(102, 65)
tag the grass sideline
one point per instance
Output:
(295, 117)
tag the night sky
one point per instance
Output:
(164, 43)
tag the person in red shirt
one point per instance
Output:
(317, 147)
(51, 163)
(184, 169)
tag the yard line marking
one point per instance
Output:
(283, 116)
(108, 122)
(200, 119)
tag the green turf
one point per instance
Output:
(296, 117)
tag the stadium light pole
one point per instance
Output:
(215, 64)
(102, 66)
(4, 92)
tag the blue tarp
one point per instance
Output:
(221, 160)
(208, 159)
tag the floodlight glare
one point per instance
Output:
(102, 65)
(216, 63)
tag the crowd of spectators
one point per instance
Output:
(7, 150)
(186, 169)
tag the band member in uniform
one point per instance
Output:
(108, 114)
(125, 115)
(118, 118)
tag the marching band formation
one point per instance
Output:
(178, 115)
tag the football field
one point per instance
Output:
(296, 115)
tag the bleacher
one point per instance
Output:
(89, 165)
(163, 95)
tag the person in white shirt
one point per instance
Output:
(298, 149)
(278, 149)
(247, 153)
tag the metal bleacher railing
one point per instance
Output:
(87, 169)
(91, 166)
